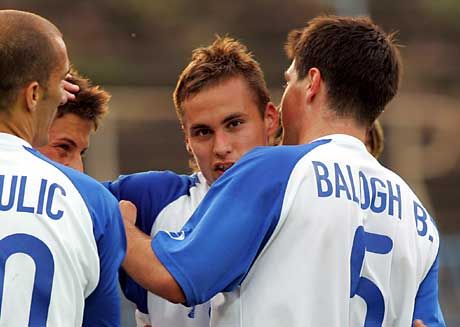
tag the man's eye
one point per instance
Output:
(64, 147)
(202, 132)
(235, 123)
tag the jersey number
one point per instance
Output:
(44, 272)
(362, 286)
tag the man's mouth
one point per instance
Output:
(222, 167)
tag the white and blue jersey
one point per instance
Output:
(164, 201)
(311, 235)
(61, 243)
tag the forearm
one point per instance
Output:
(143, 266)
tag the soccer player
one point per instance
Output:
(61, 234)
(69, 134)
(316, 233)
(224, 108)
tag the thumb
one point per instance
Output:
(128, 211)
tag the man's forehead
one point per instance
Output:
(291, 67)
(290, 71)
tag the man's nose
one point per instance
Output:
(222, 144)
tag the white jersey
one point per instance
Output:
(311, 235)
(56, 268)
(165, 201)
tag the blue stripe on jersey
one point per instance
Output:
(102, 307)
(427, 306)
(151, 192)
(224, 236)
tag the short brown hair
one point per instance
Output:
(28, 53)
(91, 101)
(223, 59)
(359, 63)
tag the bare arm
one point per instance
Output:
(142, 264)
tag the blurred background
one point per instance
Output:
(137, 48)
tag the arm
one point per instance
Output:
(150, 192)
(218, 245)
(141, 262)
(427, 306)
(102, 306)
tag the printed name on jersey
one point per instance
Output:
(14, 195)
(376, 195)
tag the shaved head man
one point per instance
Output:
(61, 235)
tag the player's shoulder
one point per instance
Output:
(101, 205)
(157, 178)
(270, 165)
(281, 156)
(155, 182)
(394, 177)
(82, 182)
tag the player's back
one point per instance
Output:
(353, 247)
(49, 261)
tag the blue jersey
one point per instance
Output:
(311, 235)
(61, 243)
(164, 201)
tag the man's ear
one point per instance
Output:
(187, 146)
(186, 140)
(271, 119)
(32, 94)
(314, 83)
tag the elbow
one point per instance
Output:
(168, 289)
(178, 298)
(174, 292)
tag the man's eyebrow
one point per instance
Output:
(231, 117)
(72, 142)
(198, 126)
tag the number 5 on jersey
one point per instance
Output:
(362, 286)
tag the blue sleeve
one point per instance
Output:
(217, 246)
(102, 306)
(150, 192)
(427, 306)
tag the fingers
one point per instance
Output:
(128, 211)
(70, 90)
(419, 323)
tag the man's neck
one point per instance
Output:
(15, 122)
(326, 127)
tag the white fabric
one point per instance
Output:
(302, 276)
(164, 313)
(70, 239)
